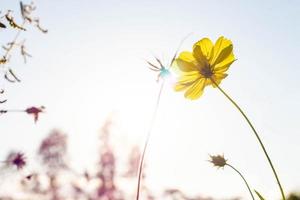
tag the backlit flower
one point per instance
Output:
(206, 65)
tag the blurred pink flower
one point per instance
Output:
(16, 159)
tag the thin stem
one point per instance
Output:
(257, 136)
(14, 110)
(147, 141)
(10, 111)
(13, 43)
(242, 178)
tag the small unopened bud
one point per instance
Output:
(218, 161)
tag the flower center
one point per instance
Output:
(206, 71)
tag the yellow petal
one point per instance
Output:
(179, 87)
(196, 90)
(203, 47)
(186, 62)
(208, 82)
(199, 56)
(189, 77)
(225, 64)
(222, 49)
(218, 77)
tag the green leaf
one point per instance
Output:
(259, 195)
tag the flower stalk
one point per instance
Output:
(241, 175)
(140, 170)
(257, 136)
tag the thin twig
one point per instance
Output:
(229, 165)
(147, 140)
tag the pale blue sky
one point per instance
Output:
(91, 64)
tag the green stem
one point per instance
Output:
(256, 134)
(140, 170)
(242, 178)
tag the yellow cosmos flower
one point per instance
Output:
(206, 65)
